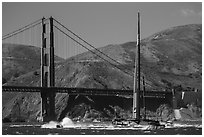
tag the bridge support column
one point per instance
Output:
(47, 75)
(177, 114)
(47, 111)
(52, 73)
(174, 100)
(44, 106)
(51, 98)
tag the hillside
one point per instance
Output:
(20, 59)
(171, 58)
(175, 56)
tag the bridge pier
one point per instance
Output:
(174, 100)
(47, 106)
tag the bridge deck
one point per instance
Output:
(83, 91)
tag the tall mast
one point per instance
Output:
(136, 89)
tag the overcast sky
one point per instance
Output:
(104, 23)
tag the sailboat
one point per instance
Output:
(136, 118)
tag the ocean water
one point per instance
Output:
(67, 127)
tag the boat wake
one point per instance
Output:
(68, 123)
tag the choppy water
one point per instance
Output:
(100, 128)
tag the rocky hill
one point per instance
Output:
(171, 58)
(20, 59)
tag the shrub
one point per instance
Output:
(4, 80)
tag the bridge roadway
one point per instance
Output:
(84, 91)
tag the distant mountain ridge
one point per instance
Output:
(171, 58)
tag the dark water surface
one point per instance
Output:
(35, 129)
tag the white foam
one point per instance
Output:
(67, 122)
(23, 125)
(51, 124)
(184, 125)
(187, 125)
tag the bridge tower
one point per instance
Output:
(47, 72)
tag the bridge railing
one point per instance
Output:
(83, 91)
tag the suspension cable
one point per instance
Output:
(128, 73)
(11, 35)
(91, 51)
(22, 27)
(87, 42)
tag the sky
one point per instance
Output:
(106, 23)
